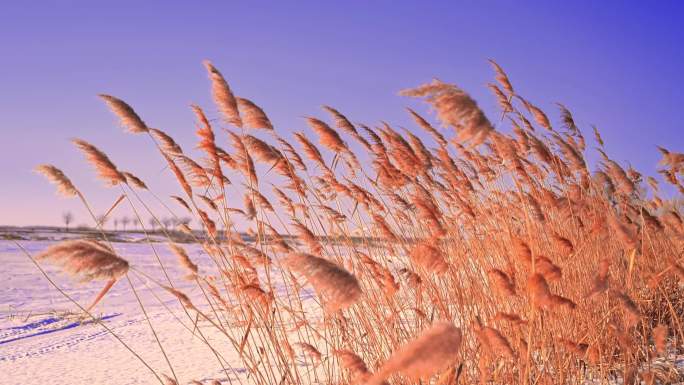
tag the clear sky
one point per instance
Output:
(615, 64)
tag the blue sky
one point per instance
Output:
(615, 64)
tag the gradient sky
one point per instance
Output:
(615, 64)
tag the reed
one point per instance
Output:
(458, 251)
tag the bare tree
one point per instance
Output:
(116, 224)
(124, 222)
(153, 223)
(167, 222)
(67, 218)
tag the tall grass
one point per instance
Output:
(471, 252)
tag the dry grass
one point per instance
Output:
(477, 252)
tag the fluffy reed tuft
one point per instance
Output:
(104, 167)
(184, 258)
(253, 116)
(428, 354)
(455, 108)
(64, 186)
(223, 96)
(339, 287)
(328, 137)
(126, 114)
(429, 257)
(91, 260)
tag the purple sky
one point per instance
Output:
(615, 64)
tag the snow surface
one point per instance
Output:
(44, 341)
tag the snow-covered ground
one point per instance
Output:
(43, 341)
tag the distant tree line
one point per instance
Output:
(126, 223)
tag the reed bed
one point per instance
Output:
(457, 251)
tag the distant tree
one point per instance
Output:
(153, 223)
(167, 222)
(116, 224)
(67, 218)
(124, 222)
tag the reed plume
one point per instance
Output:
(354, 364)
(126, 114)
(223, 96)
(429, 257)
(166, 142)
(339, 287)
(501, 282)
(660, 333)
(184, 258)
(328, 137)
(494, 342)
(501, 77)
(104, 167)
(64, 186)
(134, 180)
(90, 260)
(455, 108)
(253, 116)
(428, 354)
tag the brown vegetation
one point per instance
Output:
(488, 251)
